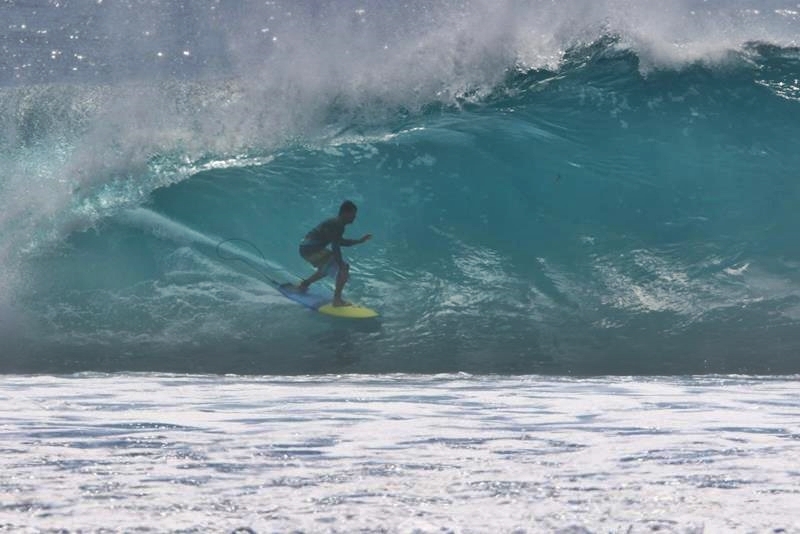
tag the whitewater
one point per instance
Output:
(398, 453)
(584, 257)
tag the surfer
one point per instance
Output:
(328, 261)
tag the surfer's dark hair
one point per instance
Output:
(347, 207)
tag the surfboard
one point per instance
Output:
(319, 300)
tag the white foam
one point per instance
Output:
(399, 453)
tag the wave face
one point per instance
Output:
(571, 187)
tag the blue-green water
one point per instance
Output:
(575, 188)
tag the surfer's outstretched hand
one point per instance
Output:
(365, 238)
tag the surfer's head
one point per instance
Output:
(347, 211)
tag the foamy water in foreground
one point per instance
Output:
(158, 453)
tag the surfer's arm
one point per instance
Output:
(350, 242)
(336, 245)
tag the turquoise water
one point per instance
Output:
(581, 188)
(584, 256)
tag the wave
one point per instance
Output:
(614, 195)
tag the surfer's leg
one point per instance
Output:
(341, 279)
(321, 260)
(319, 275)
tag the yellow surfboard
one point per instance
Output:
(350, 312)
(320, 300)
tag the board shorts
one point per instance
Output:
(322, 259)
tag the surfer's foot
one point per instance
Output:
(337, 303)
(302, 287)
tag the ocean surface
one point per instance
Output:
(585, 259)
(399, 453)
(554, 187)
